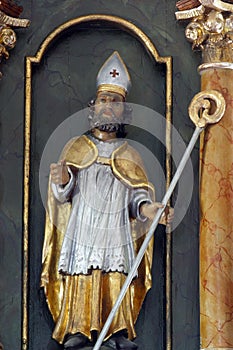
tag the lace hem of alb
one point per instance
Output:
(79, 264)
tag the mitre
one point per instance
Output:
(113, 76)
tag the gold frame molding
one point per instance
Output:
(149, 46)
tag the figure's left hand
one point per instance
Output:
(167, 216)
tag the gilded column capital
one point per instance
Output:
(210, 30)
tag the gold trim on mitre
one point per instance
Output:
(112, 88)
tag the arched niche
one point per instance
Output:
(60, 79)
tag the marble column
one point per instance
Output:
(216, 227)
(211, 30)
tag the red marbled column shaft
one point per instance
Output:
(216, 232)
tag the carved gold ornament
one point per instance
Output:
(210, 29)
(195, 34)
(191, 13)
(193, 8)
(14, 22)
(7, 34)
(7, 40)
(218, 5)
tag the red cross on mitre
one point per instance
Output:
(114, 73)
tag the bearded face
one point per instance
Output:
(108, 112)
(105, 120)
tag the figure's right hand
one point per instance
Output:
(59, 173)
